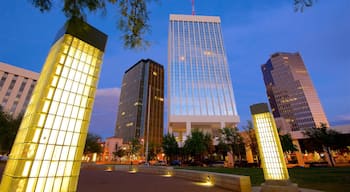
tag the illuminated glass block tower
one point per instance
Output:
(48, 149)
(270, 150)
(199, 83)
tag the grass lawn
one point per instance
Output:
(324, 179)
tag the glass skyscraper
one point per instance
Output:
(140, 111)
(199, 83)
(291, 93)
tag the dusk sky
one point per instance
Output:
(252, 31)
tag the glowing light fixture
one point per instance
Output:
(48, 149)
(273, 164)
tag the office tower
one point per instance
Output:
(140, 112)
(16, 88)
(48, 149)
(200, 93)
(291, 93)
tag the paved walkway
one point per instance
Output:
(99, 180)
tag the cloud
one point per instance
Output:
(104, 113)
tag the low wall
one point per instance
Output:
(235, 183)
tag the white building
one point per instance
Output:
(16, 87)
(199, 83)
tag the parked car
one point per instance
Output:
(160, 163)
(175, 163)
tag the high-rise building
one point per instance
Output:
(141, 105)
(48, 149)
(291, 93)
(16, 88)
(200, 92)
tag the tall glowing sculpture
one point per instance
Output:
(270, 150)
(48, 149)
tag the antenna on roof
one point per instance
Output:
(193, 12)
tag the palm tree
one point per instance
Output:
(170, 146)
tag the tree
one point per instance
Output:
(135, 147)
(170, 146)
(92, 145)
(299, 5)
(234, 140)
(133, 15)
(251, 140)
(222, 149)
(327, 138)
(198, 145)
(9, 126)
(287, 143)
(119, 152)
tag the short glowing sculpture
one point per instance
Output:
(273, 163)
(48, 149)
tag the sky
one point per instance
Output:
(252, 31)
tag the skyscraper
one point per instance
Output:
(291, 93)
(141, 105)
(200, 93)
(48, 149)
(16, 88)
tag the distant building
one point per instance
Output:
(291, 93)
(16, 88)
(111, 145)
(200, 93)
(141, 105)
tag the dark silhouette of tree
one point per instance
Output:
(222, 149)
(92, 144)
(299, 5)
(234, 140)
(119, 152)
(135, 147)
(287, 142)
(327, 138)
(9, 126)
(170, 147)
(133, 15)
(198, 144)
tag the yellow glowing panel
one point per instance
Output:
(56, 121)
(270, 149)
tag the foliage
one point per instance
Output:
(287, 142)
(327, 138)
(9, 126)
(198, 144)
(92, 145)
(135, 146)
(251, 140)
(153, 150)
(133, 15)
(119, 151)
(222, 149)
(324, 136)
(234, 140)
(170, 146)
(299, 5)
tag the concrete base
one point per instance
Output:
(279, 186)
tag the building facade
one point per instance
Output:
(291, 93)
(141, 105)
(16, 88)
(200, 93)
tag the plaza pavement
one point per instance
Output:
(91, 180)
